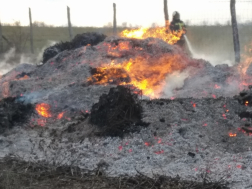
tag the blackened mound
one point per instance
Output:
(245, 97)
(115, 112)
(91, 38)
(12, 112)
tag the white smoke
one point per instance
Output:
(174, 81)
(214, 60)
(7, 64)
(4, 66)
(40, 54)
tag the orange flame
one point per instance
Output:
(43, 109)
(158, 32)
(145, 74)
(244, 65)
(232, 134)
(24, 78)
(246, 103)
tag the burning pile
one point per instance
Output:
(184, 136)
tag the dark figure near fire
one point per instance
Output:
(177, 26)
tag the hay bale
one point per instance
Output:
(116, 111)
(90, 38)
(13, 112)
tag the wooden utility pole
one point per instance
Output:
(166, 14)
(31, 31)
(235, 32)
(69, 23)
(1, 38)
(114, 22)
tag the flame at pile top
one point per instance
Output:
(158, 32)
(147, 74)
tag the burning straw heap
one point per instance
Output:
(184, 136)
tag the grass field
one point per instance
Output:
(208, 42)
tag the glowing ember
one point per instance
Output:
(24, 78)
(158, 32)
(246, 103)
(239, 166)
(147, 144)
(120, 148)
(43, 110)
(232, 134)
(159, 152)
(41, 122)
(217, 86)
(224, 116)
(60, 115)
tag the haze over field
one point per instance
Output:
(138, 13)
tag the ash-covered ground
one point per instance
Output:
(187, 136)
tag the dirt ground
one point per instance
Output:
(17, 174)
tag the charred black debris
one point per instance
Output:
(90, 38)
(13, 112)
(117, 112)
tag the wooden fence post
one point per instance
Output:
(235, 32)
(69, 23)
(31, 31)
(114, 22)
(1, 38)
(166, 14)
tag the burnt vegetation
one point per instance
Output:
(245, 97)
(90, 38)
(117, 112)
(17, 174)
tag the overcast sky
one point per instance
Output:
(135, 12)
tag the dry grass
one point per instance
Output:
(17, 174)
(205, 39)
